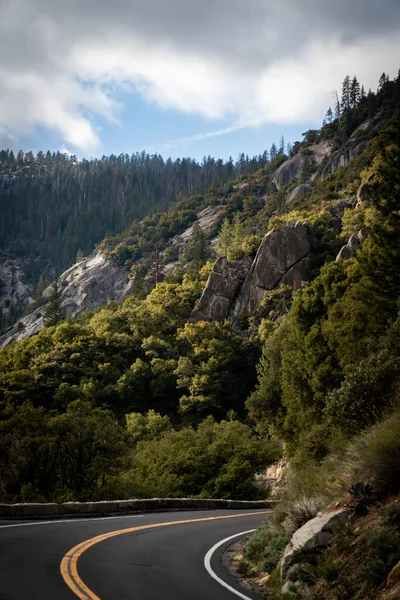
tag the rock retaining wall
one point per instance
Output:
(122, 507)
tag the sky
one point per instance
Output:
(182, 77)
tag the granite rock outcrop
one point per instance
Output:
(90, 283)
(236, 288)
(291, 168)
(221, 289)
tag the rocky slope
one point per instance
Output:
(234, 289)
(87, 285)
(292, 167)
(15, 292)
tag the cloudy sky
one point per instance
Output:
(182, 77)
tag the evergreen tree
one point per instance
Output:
(273, 151)
(355, 92)
(238, 230)
(381, 257)
(199, 241)
(308, 167)
(328, 116)
(337, 107)
(225, 237)
(282, 145)
(53, 313)
(39, 289)
(382, 80)
(345, 103)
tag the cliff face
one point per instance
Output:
(291, 168)
(324, 152)
(282, 258)
(221, 290)
(342, 158)
(87, 285)
(15, 292)
(238, 288)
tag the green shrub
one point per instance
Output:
(385, 553)
(380, 454)
(328, 570)
(265, 547)
(392, 514)
(369, 388)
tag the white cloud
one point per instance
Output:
(277, 61)
(197, 137)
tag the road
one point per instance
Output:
(146, 560)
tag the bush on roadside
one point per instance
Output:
(383, 553)
(378, 455)
(265, 547)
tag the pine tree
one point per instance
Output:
(382, 80)
(282, 145)
(273, 151)
(39, 289)
(225, 237)
(355, 92)
(345, 104)
(381, 257)
(308, 168)
(338, 112)
(53, 313)
(198, 244)
(238, 231)
(328, 116)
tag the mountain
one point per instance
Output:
(254, 321)
(150, 249)
(55, 208)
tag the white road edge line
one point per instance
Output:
(207, 563)
(56, 521)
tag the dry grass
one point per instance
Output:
(300, 512)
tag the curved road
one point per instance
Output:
(149, 561)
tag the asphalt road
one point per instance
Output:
(153, 563)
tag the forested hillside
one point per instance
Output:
(54, 205)
(143, 398)
(56, 208)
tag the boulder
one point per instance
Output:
(355, 242)
(394, 576)
(364, 191)
(282, 258)
(345, 253)
(362, 235)
(221, 289)
(293, 582)
(205, 220)
(301, 191)
(316, 533)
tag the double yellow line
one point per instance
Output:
(69, 564)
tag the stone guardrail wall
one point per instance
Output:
(122, 507)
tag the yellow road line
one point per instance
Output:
(69, 564)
